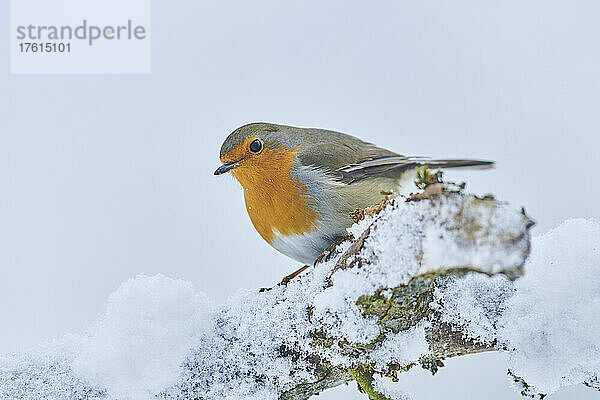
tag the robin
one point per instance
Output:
(302, 184)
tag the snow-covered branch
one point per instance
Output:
(418, 280)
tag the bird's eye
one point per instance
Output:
(256, 146)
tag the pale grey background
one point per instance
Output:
(105, 177)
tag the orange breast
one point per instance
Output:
(275, 202)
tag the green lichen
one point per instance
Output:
(363, 375)
(432, 364)
(320, 339)
(400, 308)
(328, 377)
(426, 177)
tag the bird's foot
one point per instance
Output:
(291, 276)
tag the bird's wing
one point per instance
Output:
(395, 165)
(340, 151)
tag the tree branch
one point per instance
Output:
(478, 235)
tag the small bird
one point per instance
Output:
(302, 184)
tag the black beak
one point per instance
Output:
(226, 167)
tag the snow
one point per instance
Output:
(475, 302)
(390, 389)
(401, 349)
(159, 337)
(552, 323)
(549, 320)
(441, 240)
(448, 244)
(45, 373)
(136, 348)
(133, 350)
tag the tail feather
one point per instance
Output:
(478, 164)
(398, 164)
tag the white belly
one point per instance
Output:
(304, 248)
